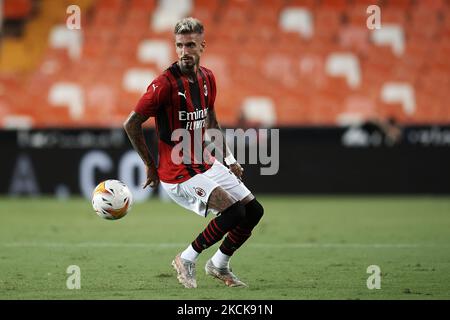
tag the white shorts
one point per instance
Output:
(193, 194)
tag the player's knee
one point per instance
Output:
(234, 214)
(239, 211)
(254, 212)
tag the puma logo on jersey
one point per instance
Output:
(182, 94)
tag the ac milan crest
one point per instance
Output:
(200, 191)
(205, 88)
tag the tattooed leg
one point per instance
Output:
(219, 199)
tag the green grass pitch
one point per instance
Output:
(304, 248)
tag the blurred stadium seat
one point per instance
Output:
(399, 93)
(344, 65)
(70, 95)
(17, 9)
(392, 35)
(259, 111)
(315, 60)
(297, 19)
(155, 51)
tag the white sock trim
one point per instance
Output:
(190, 254)
(220, 260)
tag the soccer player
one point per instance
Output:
(183, 97)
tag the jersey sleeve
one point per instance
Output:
(156, 96)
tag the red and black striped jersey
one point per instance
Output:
(177, 103)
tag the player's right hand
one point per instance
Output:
(237, 170)
(152, 177)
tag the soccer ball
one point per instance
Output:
(112, 199)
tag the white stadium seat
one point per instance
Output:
(155, 51)
(137, 80)
(17, 122)
(169, 12)
(297, 19)
(390, 34)
(399, 92)
(69, 95)
(63, 38)
(259, 109)
(344, 65)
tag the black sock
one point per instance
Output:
(238, 235)
(218, 227)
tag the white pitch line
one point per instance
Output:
(252, 245)
(93, 245)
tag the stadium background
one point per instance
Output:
(360, 112)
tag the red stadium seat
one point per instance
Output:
(291, 110)
(237, 16)
(431, 5)
(355, 38)
(393, 15)
(357, 103)
(51, 116)
(207, 16)
(142, 5)
(106, 19)
(136, 20)
(267, 16)
(250, 56)
(400, 4)
(324, 111)
(227, 106)
(365, 3)
(429, 111)
(209, 4)
(326, 24)
(109, 5)
(311, 4)
(16, 9)
(336, 5)
(357, 14)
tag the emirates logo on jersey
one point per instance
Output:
(194, 119)
(200, 191)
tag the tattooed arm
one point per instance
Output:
(212, 123)
(133, 128)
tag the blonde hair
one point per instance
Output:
(188, 25)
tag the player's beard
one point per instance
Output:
(188, 66)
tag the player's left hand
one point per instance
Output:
(237, 170)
